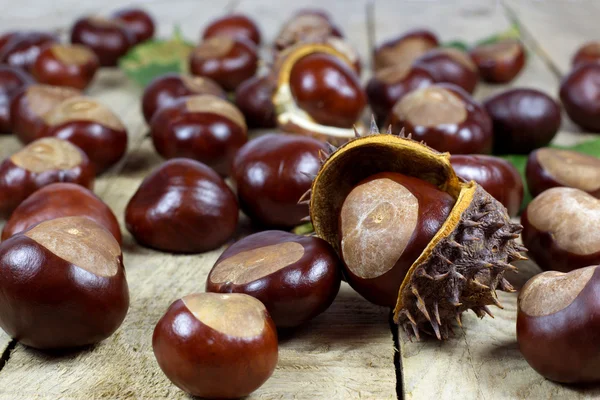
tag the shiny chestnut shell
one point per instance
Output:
(579, 96)
(404, 49)
(137, 21)
(449, 65)
(66, 65)
(499, 62)
(306, 25)
(23, 48)
(109, 39)
(233, 25)
(254, 98)
(12, 80)
(589, 52)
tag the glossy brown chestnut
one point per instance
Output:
(92, 127)
(523, 119)
(183, 206)
(228, 61)
(499, 62)
(164, 90)
(497, 176)
(446, 118)
(558, 325)
(271, 173)
(12, 80)
(138, 21)
(402, 211)
(109, 39)
(42, 162)
(4, 38)
(59, 200)
(404, 49)
(449, 65)
(295, 277)
(214, 345)
(23, 48)
(254, 98)
(233, 25)
(307, 25)
(548, 168)
(62, 284)
(589, 52)
(579, 96)
(66, 65)
(203, 127)
(560, 229)
(29, 106)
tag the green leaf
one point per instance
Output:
(304, 229)
(457, 44)
(514, 32)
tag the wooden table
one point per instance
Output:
(350, 351)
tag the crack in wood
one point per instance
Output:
(7, 352)
(397, 358)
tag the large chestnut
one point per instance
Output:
(109, 39)
(183, 206)
(523, 119)
(579, 96)
(560, 229)
(62, 284)
(548, 168)
(233, 25)
(203, 127)
(226, 60)
(308, 25)
(23, 48)
(214, 345)
(61, 200)
(66, 65)
(589, 52)
(446, 118)
(295, 277)
(45, 161)
(12, 80)
(449, 65)
(404, 49)
(271, 173)
(499, 62)
(137, 21)
(254, 98)
(558, 325)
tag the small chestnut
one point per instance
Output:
(579, 96)
(12, 80)
(23, 48)
(164, 90)
(137, 21)
(233, 25)
(560, 229)
(449, 65)
(308, 25)
(589, 52)
(499, 62)
(295, 277)
(61, 200)
(5, 37)
(226, 60)
(254, 98)
(496, 175)
(66, 65)
(62, 284)
(523, 120)
(446, 118)
(202, 127)
(109, 39)
(404, 49)
(183, 206)
(40, 163)
(214, 345)
(558, 325)
(548, 168)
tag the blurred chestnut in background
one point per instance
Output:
(589, 52)
(40, 163)
(560, 229)
(22, 48)
(446, 118)
(499, 62)
(271, 173)
(524, 120)
(63, 284)
(579, 95)
(109, 39)
(254, 98)
(138, 21)
(548, 168)
(183, 206)
(449, 65)
(404, 49)
(306, 25)
(5, 37)
(12, 80)
(228, 61)
(66, 65)
(235, 26)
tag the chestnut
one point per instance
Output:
(496, 175)
(5, 37)
(271, 173)
(446, 117)
(295, 277)
(558, 324)
(499, 62)
(308, 25)
(589, 52)
(165, 89)
(30, 105)
(203, 127)
(63, 284)
(560, 229)
(137, 21)
(226, 60)
(40, 163)
(11, 81)
(66, 65)
(404, 49)
(450, 65)
(23, 48)
(523, 120)
(61, 200)
(579, 96)
(327, 89)
(183, 206)
(214, 345)
(233, 25)
(254, 98)
(92, 127)
(109, 39)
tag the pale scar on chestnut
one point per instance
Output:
(499, 51)
(212, 104)
(583, 171)
(72, 54)
(431, 106)
(409, 48)
(43, 98)
(81, 108)
(461, 57)
(214, 47)
(393, 73)
(48, 154)
(197, 83)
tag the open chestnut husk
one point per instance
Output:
(137, 21)
(66, 65)
(110, 39)
(404, 49)
(23, 48)
(12, 80)
(589, 52)
(63, 284)
(233, 25)
(499, 62)
(449, 65)
(560, 229)
(578, 94)
(254, 98)
(295, 277)
(548, 168)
